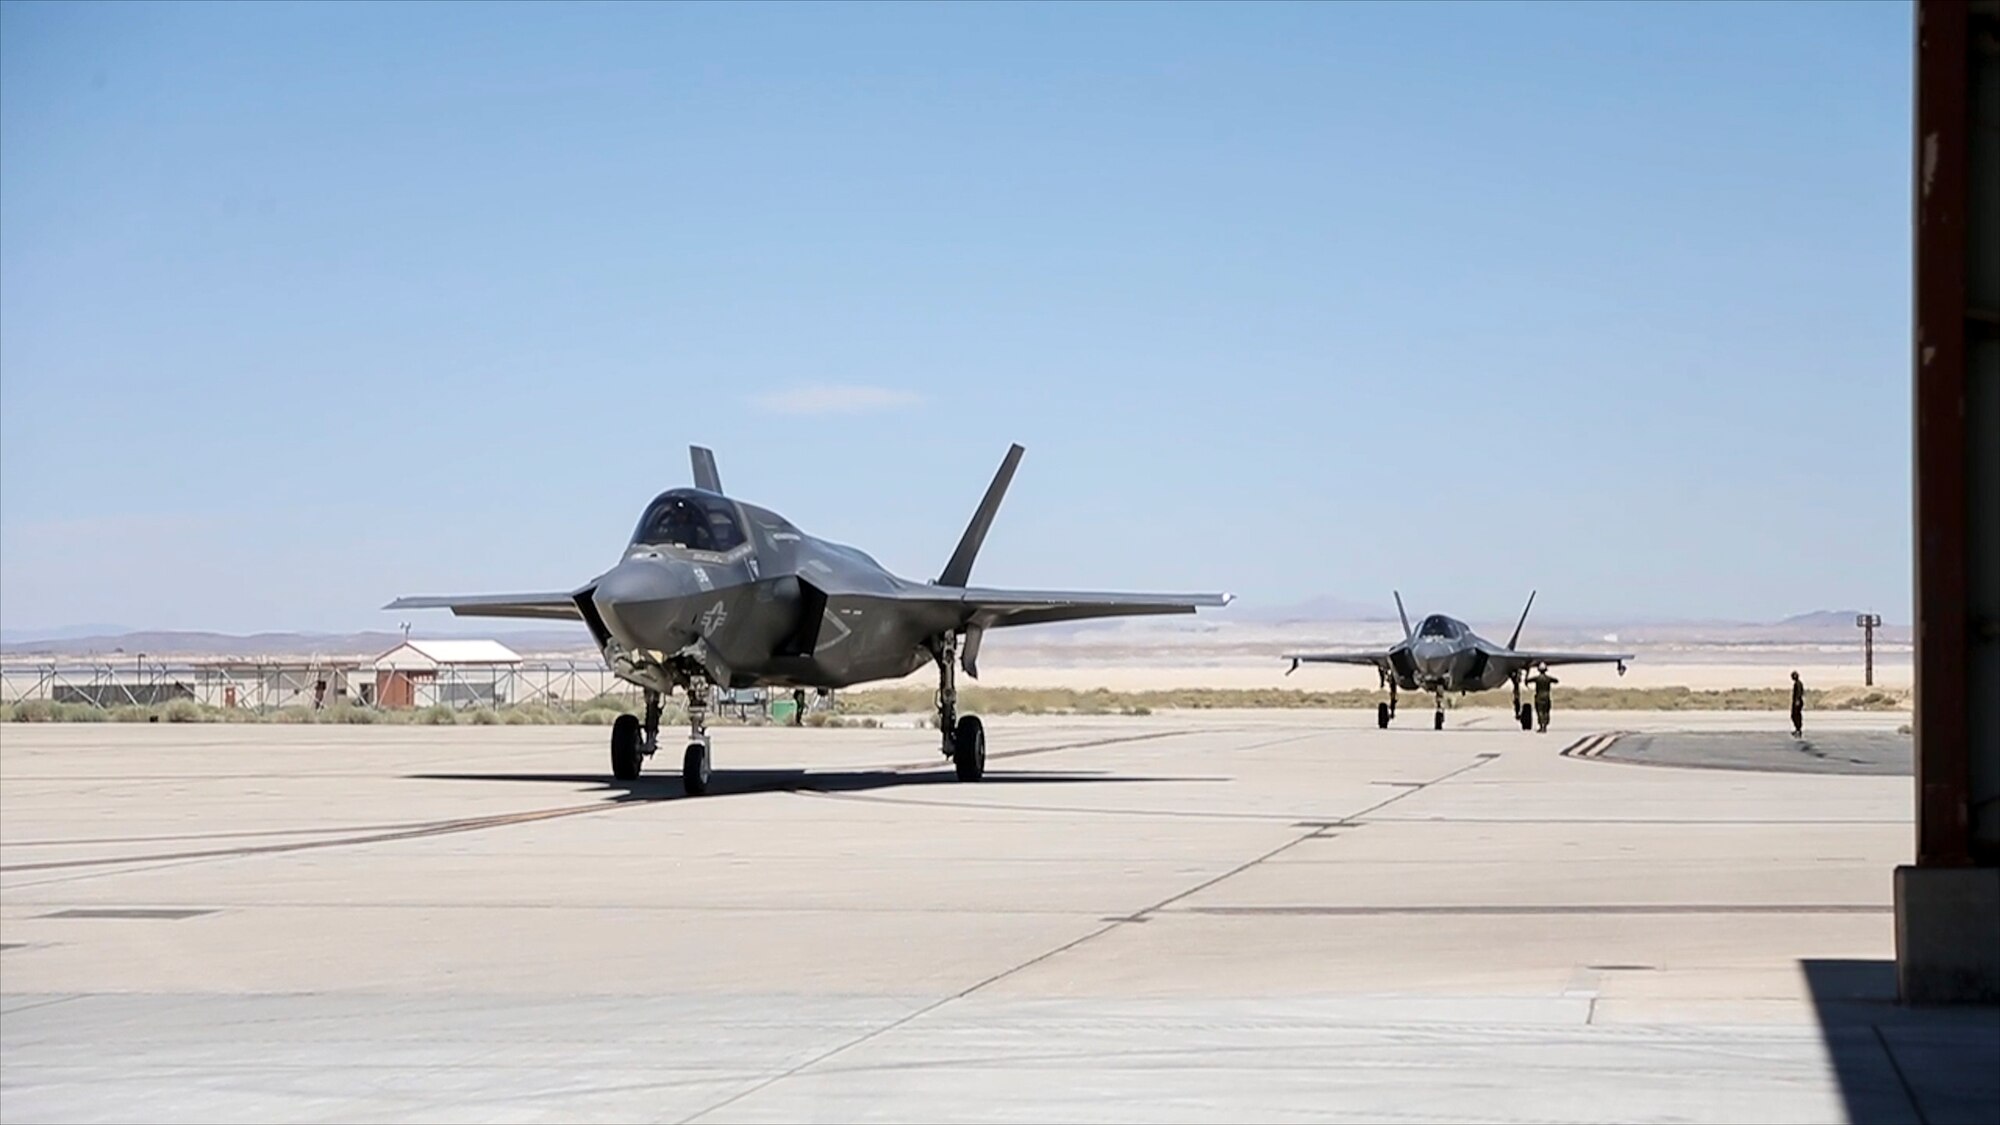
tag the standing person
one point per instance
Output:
(1798, 706)
(1543, 704)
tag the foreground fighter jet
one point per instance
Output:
(716, 592)
(1442, 654)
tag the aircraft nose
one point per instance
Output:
(643, 603)
(1432, 659)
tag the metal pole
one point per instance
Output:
(1868, 622)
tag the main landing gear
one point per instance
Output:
(1386, 711)
(963, 736)
(1522, 711)
(633, 742)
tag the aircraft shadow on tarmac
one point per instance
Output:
(747, 781)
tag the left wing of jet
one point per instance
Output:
(979, 609)
(1530, 658)
(553, 606)
(1000, 608)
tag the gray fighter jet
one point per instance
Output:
(1443, 654)
(714, 592)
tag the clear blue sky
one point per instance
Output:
(306, 307)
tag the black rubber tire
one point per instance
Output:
(1438, 724)
(625, 748)
(1527, 717)
(1382, 715)
(694, 769)
(968, 748)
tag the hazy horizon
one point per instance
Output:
(303, 308)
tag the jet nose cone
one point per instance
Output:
(1432, 658)
(641, 602)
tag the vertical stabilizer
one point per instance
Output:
(959, 569)
(705, 474)
(1515, 640)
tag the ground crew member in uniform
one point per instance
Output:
(1542, 680)
(1798, 706)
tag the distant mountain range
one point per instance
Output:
(1818, 627)
(169, 643)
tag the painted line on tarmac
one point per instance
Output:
(440, 828)
(475, 824)
(1593, 746)
(1504, 911)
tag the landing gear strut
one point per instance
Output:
(963, 737)
(695, 763)
(1438, 723)
(798, 707)
(1386, 711)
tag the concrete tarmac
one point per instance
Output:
(1176, 917)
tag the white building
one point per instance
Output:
(420, 673)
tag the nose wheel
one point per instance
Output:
(1437, 722)
(694, 769)
(695, 762)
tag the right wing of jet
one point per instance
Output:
(1377, 659)
(560, 607)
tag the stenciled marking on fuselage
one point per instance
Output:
(713, 617)
(841, 631)
(701, 578)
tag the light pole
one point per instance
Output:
(1868, 623)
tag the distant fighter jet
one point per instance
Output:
(1442, 654)
(716, 592)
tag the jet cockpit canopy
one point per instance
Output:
(691, 519)
(1438, 625)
